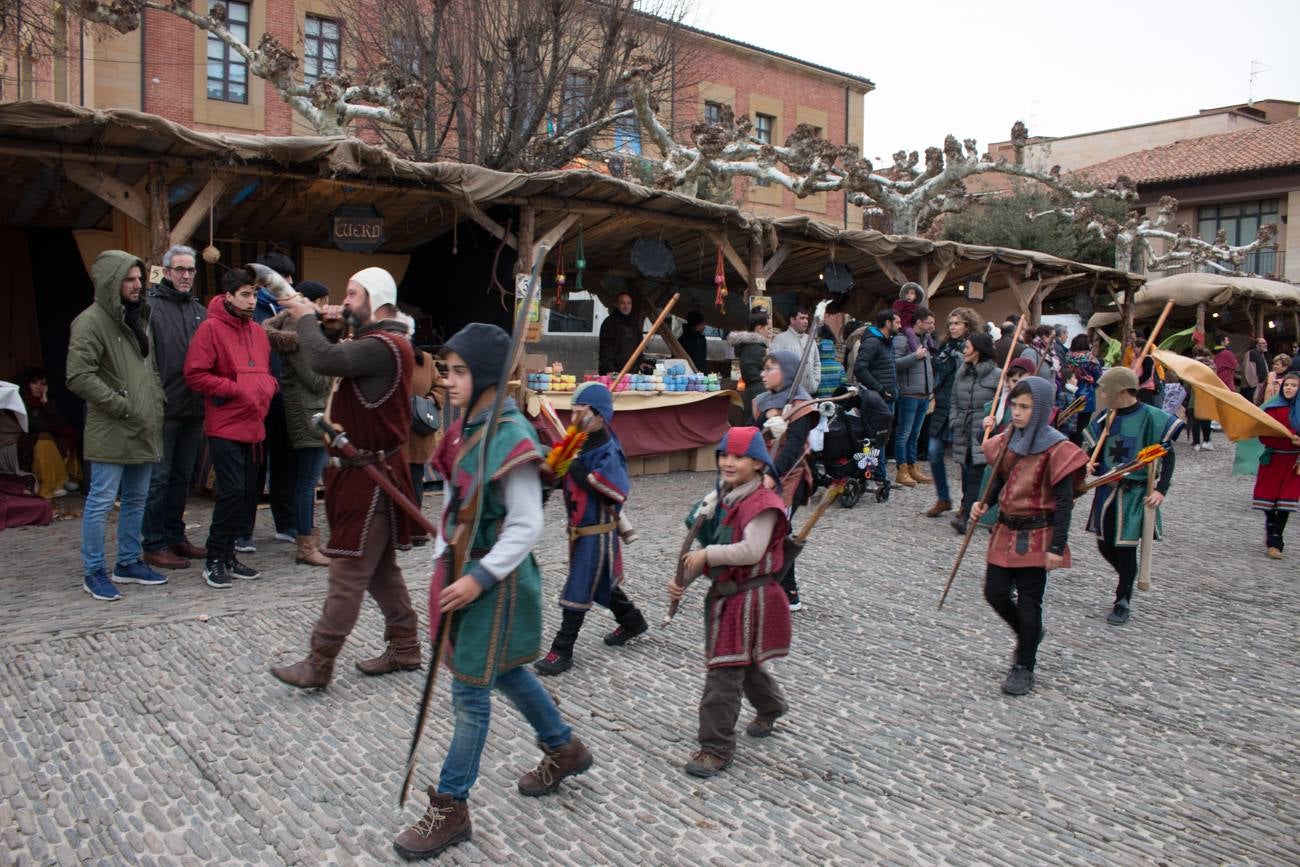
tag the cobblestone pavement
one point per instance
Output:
(134, 732)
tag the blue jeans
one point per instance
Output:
(310, 463)
(169, 484)
(107, 483)
(938, 468)
(472, 706)
(910, 413)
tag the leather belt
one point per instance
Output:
(1024, 522)
(722, 589)
(592, 530)
(364, 458)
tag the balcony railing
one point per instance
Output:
(1269, 263)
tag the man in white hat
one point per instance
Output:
(373, 404)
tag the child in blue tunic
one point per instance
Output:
(595, 489)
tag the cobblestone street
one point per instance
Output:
(137, 732)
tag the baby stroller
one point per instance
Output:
(848, 444)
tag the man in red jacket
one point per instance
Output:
(229, 363)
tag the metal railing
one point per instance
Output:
(1269, 263)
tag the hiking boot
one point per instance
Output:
(1119, 616)
(189, 550)
(1020, 681)
(919, 474)
(569, 760)
(553, 663)
(244, 545)
(307, 553)
(444, 824)
(98, 586)
(137, 573)
(622, 635)
(401, 654)
(215, 574)
(903, 477)
(315, 671)
(241, 570)
(762, 726)
(939, 507)
(165, 559)
(704, 764)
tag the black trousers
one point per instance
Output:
(971, 476)
(235, 466)
(1274, 524)
(625, 613)
(1024, 613)
(279, 460)
(1123, 559)
(1200, 431)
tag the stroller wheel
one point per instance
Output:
(882, 492)
(851, 495)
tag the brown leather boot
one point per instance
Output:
(939, 507)
(571, 759)
(308, 554)
(903, 477)
(315, 671)
(444, 824)
(919, 474)
(401, 654)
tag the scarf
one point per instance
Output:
(1293, 403)
(790, 390)
(1039, 435)
(131, 313)
(235, 311)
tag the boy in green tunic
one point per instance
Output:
(1118, 509)
(494, 609)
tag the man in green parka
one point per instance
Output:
(111, 367)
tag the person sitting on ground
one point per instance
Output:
(50, 448)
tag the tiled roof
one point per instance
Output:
(1256, 149)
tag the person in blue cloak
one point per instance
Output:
(595, 489)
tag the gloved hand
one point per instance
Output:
(775, 427)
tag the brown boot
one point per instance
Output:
(919, 474)
(444, 824)
(570, 759)
(903, 477)
(315, 671)
(401, 654)
(939, 507)
(308, 554)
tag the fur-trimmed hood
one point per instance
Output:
(741, 338)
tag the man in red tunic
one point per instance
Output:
(1036, 469)
(372, 402)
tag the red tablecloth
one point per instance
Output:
(657, 430)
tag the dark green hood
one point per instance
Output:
(107, 273)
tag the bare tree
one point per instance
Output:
(509, 84)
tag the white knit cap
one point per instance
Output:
(379, 284)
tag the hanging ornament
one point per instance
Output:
(720, 280)
(561, 298)
(581, 264)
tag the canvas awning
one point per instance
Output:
(1213, 290)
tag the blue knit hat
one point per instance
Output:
(746, 442)
(596, 396)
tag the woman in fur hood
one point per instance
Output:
(751, 348)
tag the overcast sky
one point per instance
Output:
(1062, 67)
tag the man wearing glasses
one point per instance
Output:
(175, 316)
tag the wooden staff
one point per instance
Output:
(972, 522)
(645, 341)
(1148, 531)
(1136, 367)
(1002, 381)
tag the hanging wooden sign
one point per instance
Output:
(357, 229)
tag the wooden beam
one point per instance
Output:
(108, 189)
(493, 227)
(675, 345)
(933, 286)
(1021, 301)
(160, 221)
(198, 209)
(891, 269)
(733, 257)
(552, 237)
(770, 266)
(924, 274)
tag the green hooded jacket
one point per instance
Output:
(123, 394)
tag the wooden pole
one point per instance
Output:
(972, 522)
(1137, 366)
(1002, 380)
(159, 216)
(645, 341)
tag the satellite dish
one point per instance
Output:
(653, 258)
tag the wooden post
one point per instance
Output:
(1130, 298)
(1259, 321)
(160, 224)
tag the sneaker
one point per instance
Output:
(1119, 616)
(1020, 681)
(214, 572)
(71, 486)
(704, 764)
(287, 536)
(137, 573)
(553, 663)
(98, 585)
(244, 545)
(58, 492)
(623, 635)
(793, 599)
(1207, 447)
(241, 570)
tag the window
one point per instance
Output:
(763, 126)
(713, 112)
(574, 99)
(322, 46)
(578, 316)
(227, 71)
(627, 130)
(1240, 222)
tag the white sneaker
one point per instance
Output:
(58, 492)
(1196, 447)
(285, 537)
(1209, 447)
(71, 486)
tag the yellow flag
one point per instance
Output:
(1240, 418)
